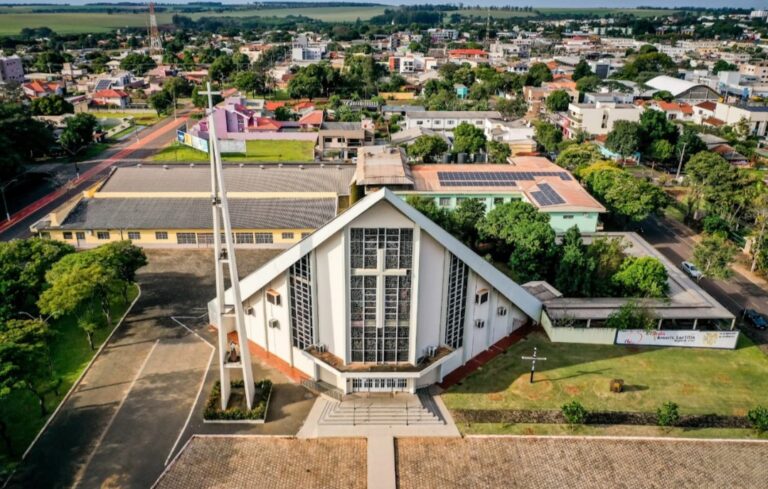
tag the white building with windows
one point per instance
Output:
(447, 120)
(380, 298)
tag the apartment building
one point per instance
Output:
(447, 120)
(598, 118)
(11, 69)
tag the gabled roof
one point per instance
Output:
(506, 286)
(110, 93)
(314, 118)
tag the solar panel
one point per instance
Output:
(493, 178)
(103, 84)
(546, 195)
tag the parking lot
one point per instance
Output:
(132, 408)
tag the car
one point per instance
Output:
(691, 270)
(755, 319)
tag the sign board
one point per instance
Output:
(195, 142)
(686, 338)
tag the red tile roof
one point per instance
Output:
(707, 105)
(110, 93)
(272, 105)
(467, 52)
(674, 107)
(314, 118)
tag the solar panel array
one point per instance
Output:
(103, 84)
(493, 178)
(546, 195)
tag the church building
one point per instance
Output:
(378, 299)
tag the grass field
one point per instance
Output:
(256, 152)
(70, 353)
(701, 381)
(506, 14)
(74, 23)
(142, 118)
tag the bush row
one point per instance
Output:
(261, 397)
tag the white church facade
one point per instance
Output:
(379, 299)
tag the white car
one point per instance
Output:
(691, 270)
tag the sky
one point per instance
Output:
(535, 3)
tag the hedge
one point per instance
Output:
(213, 406)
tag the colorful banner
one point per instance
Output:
(195, 142)
(686, 338)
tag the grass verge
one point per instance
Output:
(70, 355)
(700, 381)
(613, 430)
(256, 152)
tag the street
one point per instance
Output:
(127, 153)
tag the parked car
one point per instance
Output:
(691, 270)
(755, 319)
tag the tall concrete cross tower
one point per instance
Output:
(155, 44)
(231, 313)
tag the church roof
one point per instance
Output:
(498, 280)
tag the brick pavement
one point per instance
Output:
(269, 463)
(590, 463)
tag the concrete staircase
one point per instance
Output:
(401, 409)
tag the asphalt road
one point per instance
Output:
(127, 153)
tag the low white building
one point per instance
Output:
(379, 299)
(598, 118)
(447, 120)
(757, 117)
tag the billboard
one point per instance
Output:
(195, 142)
(686, 338)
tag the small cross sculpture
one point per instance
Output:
(533, 362)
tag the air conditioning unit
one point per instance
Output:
(274, 323)
(249, 311)
(479, 323)
(501, 311)
(481, 297)
(320, 348)
(273, 297)
(431, 351)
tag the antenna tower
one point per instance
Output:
(155, 44)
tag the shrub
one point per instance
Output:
(758, 418)
(259, 410)
(668, 414)
(574, 412)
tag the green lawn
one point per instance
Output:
(506, 14)
(257, 152)
(142, 118)
(701, 381)
(70, 353)
(615, 430)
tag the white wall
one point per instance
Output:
(331, 295)
(431, 294)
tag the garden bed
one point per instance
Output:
(237, 412)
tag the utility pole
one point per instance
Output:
(680, 165)
(224, 256)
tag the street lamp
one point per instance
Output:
(5, 204)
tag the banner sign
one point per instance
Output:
(686, 338)
(195, 142)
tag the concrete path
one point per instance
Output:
(381, 462)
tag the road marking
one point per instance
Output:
(176, 320)
(199, 390)
(82, 471)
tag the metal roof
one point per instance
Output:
(195, 213)
(253, 178)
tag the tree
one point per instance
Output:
(608, 255)
(581, 70)
(714, 255)
(558, 101)
(427, 147)
(498, 152)
(467, 138)
(161, 101)
(25, 358)
(512, 108)
(723, 65)
(628, 198)
(78, 132)
(664, 95)
(574, 270)
(631, 316)
(548, 136)
(178, 86)
(250, 81)
(427, 206)
(465, 218)
(688, 144)
(519, 229)
(661, 151)
(655, 126)
(625, 138)
(21, 138)
(51, 105)
(537, 74)
(221, 68)
(578, 156)
(588, 84)
(282, 113)
(137, 63)
(125, 259)
(312, 81)
(23, 263)
(643, 276)
(704, 174)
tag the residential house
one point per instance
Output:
(598, 118)
(343, 140)
(111, 98)
(38, 89)
(755, 117)
(447, 120)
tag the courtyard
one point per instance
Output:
(700, 381)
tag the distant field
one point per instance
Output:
(506, 14)
(74, 23)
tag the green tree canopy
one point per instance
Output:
(714, 255)
(578, 156)
(643, 276)
(78, 132)
(548, 136)
(51, 105)
(161, 101)
(655, 126)
(137, 63)
(575, 268)
(427, 147)
(558, 101)
(626, 197)
(467, 138)
(581, 70)
(221, 68)
(538, 73)
(498, 152)
(625, 138)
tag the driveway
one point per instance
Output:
(142, 396)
